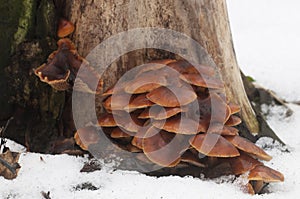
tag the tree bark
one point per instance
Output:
(29, 36)
(205, 21)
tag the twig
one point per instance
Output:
(6, 125)
(10, 167)
(46, 195)
(2, 130)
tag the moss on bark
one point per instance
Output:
(26, 41)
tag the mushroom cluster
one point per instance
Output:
(175, 114)
(169, 113)
(63, 65)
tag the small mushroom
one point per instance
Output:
(133, 149)
(160, 113)
(141, 101)
(65, 28)
(107, 120)
(143, 133)
(192, 159)
(164, 148)
(202, 81)
(221, 129)
(213, 145)
(86, 136)
(247, 146)
(234, 108)
(120, 133)
(266, 174)
(180, 125)
(233, 121)
(214, 109)
(117, 102)
(243, 164)
(155, 65)
(172, 96)
(183, 67)
(129, 122)
(145, 82)
(62, 68)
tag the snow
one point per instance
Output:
(267, 45)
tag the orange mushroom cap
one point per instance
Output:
(172, 96)
(233, 121)
(117, 102)
(120, 133)
(154, 65)
(192, 159)
(145, 82)
(86, 136)
(165, 148)
(221, 129)
(183, 66)
(160, 113)
(179, 125)
(202, 81)
(107, 120)
(141, 101)
(247, 146)
(234, 108)
(62, 68)
(65, 28)
(213, 145)
(243, 163)
(265, 174)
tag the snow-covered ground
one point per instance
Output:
(267, 43)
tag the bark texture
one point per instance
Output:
(26, 39)
(29, 36)
(205, 21)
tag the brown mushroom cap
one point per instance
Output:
(183, 66)
(160, 113)
(129, 122)
(155, 65)
(234, 108)
(58, 84)
(165, 148)
(247, 146)
(265, 174)
(233, 121)
(65, 28)
(62, 67)
(141, 101)
(222, 129)
(137, 142)
(86, 136)
(180, 125)
(172, 96)
(145, 82)
(213, 145)
(120, 133)
(133, 149)
(115, 89)
(243, 164)
(192, 159)
(117, 102)
(214, 108)
(107, 120)
(202, 81)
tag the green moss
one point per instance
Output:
(25, 22)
